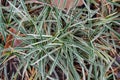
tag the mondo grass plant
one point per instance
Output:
(41, 41)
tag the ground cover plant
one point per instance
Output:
(47, 40)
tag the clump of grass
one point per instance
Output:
(78, 44)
